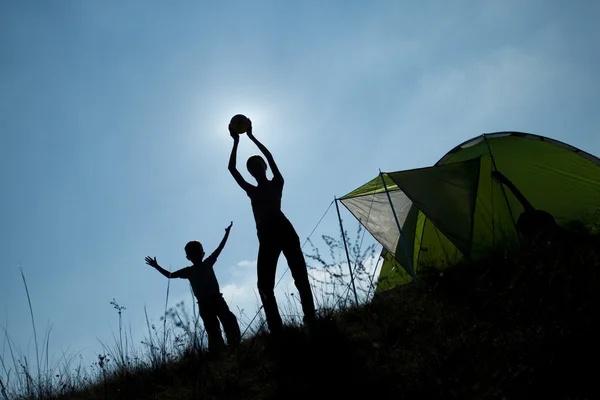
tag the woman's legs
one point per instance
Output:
(268, 254)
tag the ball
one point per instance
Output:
(239, 124)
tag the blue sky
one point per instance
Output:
(114, 143)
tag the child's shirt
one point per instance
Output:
(202, 277)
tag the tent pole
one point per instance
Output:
(501, 186)
(410, 264)
(346, 248)
(373, 277)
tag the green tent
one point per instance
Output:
(455, 210)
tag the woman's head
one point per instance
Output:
(257, 167)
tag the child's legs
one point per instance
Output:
(208, 313)
(229, 321)
(293, 254)
(268, 254)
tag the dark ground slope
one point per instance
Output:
(513, 327)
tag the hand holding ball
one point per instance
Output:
(239, 124)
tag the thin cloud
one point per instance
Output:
(246, 264)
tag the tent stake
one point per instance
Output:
(410, 264)
(346, 248)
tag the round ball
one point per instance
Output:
(240, 124)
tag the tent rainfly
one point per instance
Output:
(433, 217)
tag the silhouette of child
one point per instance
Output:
(275, 232)
(532, 223)
(205, 286)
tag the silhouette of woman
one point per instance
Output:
(275, 232)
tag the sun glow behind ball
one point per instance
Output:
(217, 114)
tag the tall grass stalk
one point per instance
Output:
(120, 352)
(164, 344)
(37, 351)
(3, 390)
(7, 371)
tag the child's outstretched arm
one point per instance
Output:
(232, 161)
(153, 263)
(215, 254)
(267, 153)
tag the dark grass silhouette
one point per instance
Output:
(512, 326)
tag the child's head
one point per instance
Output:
(257, 167)
(194, 251)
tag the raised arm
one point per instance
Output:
(215, 254)
(232, 162)
(498, 176)
(177, 274)
(267, 153)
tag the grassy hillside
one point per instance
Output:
(509, 327)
